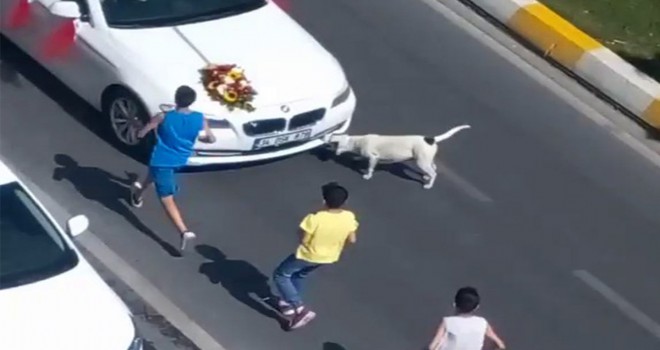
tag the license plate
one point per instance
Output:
(278, 140)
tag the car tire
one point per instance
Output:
(126, 114)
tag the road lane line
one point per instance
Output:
(628, 309)
(465, 185)
(493, 40)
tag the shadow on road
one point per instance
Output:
(359, 165)
(332, 346)
(241, 279)
(107, 189)
(9, 75)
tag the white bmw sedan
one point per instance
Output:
(127, 57)
(50, 297)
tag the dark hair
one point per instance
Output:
(467, 299)
(334, 195)
(184, 96)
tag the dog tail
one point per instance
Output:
(450, 133)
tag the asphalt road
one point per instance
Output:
(535, 192)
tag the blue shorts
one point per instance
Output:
(164, 180)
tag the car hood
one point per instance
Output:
(75, 311)
(283, 62)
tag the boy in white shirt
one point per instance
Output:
(464, 331)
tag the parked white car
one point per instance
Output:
(129, 56)
(50, 297)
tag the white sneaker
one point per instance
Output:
(302, 317)
(285, 308)
(135, 200)
(185, 238)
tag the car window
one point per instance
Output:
(157, 13)
(31, 248)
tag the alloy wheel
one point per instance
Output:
(125, 120)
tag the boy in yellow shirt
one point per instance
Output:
(324, 235)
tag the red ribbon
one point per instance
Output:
(60, 41)
(283, 4)
(20, 15)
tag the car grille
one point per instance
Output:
(265, 126)
(217, 153)
(306, 119)
(221, 153)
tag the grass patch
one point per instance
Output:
(631, 28)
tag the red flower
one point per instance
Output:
(237, 95)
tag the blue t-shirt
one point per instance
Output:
(176, 136)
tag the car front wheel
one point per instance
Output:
(127, 116)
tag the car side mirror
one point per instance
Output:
(77, 225)
(65, 9)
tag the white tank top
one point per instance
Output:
(464, 333)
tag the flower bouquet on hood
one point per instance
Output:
(228, 85)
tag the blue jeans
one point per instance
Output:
(288, 277)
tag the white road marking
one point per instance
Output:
(628, 309)
(463, 184)
(536, 74)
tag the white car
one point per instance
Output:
(129, 56)
(50, 297)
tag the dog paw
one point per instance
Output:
(426, 178)
(367, 176)
(428, 186)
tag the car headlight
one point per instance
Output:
(342, 97)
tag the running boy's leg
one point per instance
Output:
(282, 279)
(137, 189)
(165, 182)
(292, 304)
(299, 276)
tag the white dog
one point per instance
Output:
(393, 149)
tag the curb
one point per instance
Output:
(583, 55)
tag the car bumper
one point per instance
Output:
(342, 116)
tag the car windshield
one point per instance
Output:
(31, 248)
(159, 13)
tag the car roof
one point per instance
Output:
(6, 175)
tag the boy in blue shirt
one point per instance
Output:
(176, 131)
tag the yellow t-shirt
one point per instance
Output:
(325, 235)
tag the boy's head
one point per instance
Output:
(334, 195)
(466, 300)
(184, 96)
